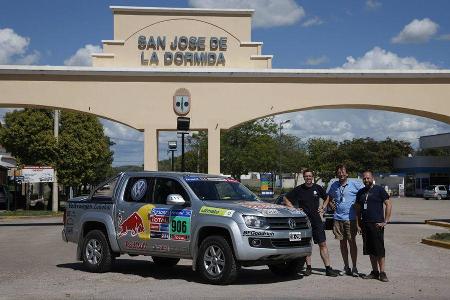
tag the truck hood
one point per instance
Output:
(79, 199)
(257, 208)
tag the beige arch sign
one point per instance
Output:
(233, 86)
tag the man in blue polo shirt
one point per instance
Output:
(372, 220)
(343, 195)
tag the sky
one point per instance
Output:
(322, 34)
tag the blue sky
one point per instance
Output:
(372, 34)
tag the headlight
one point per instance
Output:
(256, 222)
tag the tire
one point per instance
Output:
(96, 253)
(426, 198)
(288, 268)
(165, 261)
(216, 262)
(438, 197)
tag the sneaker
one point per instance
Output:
(347, 271)
(332, 273)
(307, 272)
(372, 275)
(355, 272)
(383, 277)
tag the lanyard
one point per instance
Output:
(368, 194)
(341, 192)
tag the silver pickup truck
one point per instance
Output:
(213, 220)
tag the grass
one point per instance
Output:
(441, 237)
(30, 213)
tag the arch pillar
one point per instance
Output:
(150, 149)
(214, 150)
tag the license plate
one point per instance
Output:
(295, 236)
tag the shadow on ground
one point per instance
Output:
(148, 269)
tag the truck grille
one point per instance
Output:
(285, 243)
(283, 223)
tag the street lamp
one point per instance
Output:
(280, 127)
(172, 148)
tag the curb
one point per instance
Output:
(436, 243)
(437, 223)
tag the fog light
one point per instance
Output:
(256, 242)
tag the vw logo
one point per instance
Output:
(292, 223)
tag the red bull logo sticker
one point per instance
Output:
(132, 224)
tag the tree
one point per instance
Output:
(249, 147)
(323, 156)
(293, 155)
(84, 154)
(28, 136)
(81, 155)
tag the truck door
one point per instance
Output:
(132, 215)
(170, 226)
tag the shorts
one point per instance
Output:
(344, 230)
(373, 240)
(318, 232)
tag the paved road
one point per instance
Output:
(36, 264)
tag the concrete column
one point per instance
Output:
(55, 199)
(150, 149)
(214, 150)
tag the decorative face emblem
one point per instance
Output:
(138, 190)
(182, 102)
(292, 223)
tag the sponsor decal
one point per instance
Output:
(95, 206)
(143, 213)
(270, 211)
(170, 224)
(159, 219)
(138, 190)
(214, 211)
(159, 247)
(258, 233)
(132, 224)
(69, 221)
(295, 211)
(136, 245)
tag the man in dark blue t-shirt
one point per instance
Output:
(371, 221)
(307, 197)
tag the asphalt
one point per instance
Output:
(37, 264)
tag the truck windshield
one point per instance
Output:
(220, 189)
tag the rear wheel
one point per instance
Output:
(288, 268)
(165, 261)
(97, 255)
(216, 262)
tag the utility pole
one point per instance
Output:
(280, 127)
(55, 179)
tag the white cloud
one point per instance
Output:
(378, 58)
(418, 31)
(314, 21)
(268, 13)
(314, 61)
(373, 4)
(13, 49)
(83, 56)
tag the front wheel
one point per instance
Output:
(97, 255)
(288, 268)
(165, 261)
(216, 262)
(439, 197)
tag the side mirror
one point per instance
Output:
(175, 199)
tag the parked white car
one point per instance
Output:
(435, 191)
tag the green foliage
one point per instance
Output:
(434, 152)
(28, 136)
(84, 154)
(81, 155)
(248, 147)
